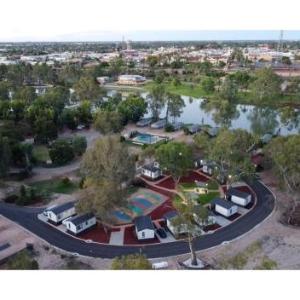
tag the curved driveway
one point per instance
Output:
(27, 218)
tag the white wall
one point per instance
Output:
(64, 215)
(89, 223)
(241, 201)
(226, 212)
(145, 234)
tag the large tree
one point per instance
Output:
(175, 158)
(87, 89)
(230, 151)
(285, 155)
(188, 213)
(175, 104)
(5, 156)
(107, 167)
(156, 100)
(133, 108)
(266, 85)
(108, 122)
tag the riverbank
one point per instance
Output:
(196, 91)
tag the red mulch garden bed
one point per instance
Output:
(233, 217)
(161, 210)
(131, 239)
(97, 234)
(191, 177)
(211, 227)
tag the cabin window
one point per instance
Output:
(143, 234)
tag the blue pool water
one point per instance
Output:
(145, 138)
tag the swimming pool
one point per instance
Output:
(147, 139)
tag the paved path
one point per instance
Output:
(27, 217)
(41, 173)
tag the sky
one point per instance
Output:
(78, 20)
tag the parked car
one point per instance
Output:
(161, 232)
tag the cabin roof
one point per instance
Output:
(61, 208)
(143, 222)
(81, 218)
(221, 202)
(238, 193)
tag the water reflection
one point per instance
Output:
(259, 120)
(223, 113)
(263, 120)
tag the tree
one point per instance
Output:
(175, 158)
(79, 144)
(208, 85)
(284, 153)
(4, 90)
(5, 156)
(230, 151)
(266, 85)
(132, 109)
(69, 74)
(286, 60)
(70, 118)
(174, 106)
(22, 261)
(108, 122)
(156, 100)
(228, 90)
(87, 88)
(188, 213)
(61, 152)
(84, 113)
(107, 166)
(25, 93)
(131, 262)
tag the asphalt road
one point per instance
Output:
(27, 218)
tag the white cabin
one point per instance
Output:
(80, 223)
(144, 228)
(238, 197)
(58, 213)
(151, 171)
(174, 229)
(224, 207)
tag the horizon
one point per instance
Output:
(163, 36)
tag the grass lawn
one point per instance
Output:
(188, 185)
(41, 153)
(182, 89)
(56, 186)
(206, 198)
(212, 185)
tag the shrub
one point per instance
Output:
(61, 152)
(169, 128)
(65, 180)
(79, 144)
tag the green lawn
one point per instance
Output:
(206, 198)
(41, 153)
(188, 185)
(191, 90)
(212, 185)
(56, 186)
